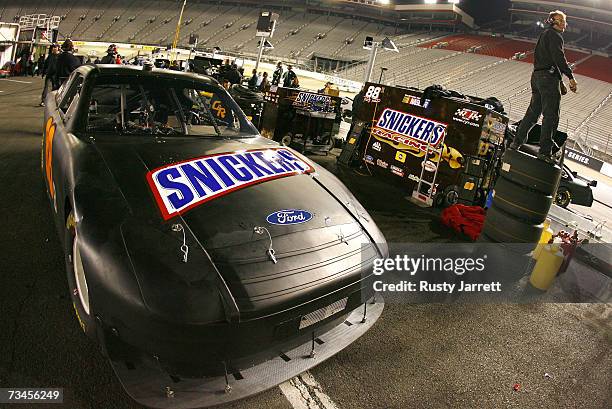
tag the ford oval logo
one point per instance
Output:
(292, 216)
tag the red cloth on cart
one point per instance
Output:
(464, 219)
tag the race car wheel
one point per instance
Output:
(504, 228)
(77, 280)
(448, 197)
(563, 197)
(525, 169)
(522, 203)
(287, 139)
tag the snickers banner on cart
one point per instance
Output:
(462, 138)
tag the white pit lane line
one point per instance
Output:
(22, 82)
(304, 392)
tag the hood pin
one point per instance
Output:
(270, 251)
(184, 248)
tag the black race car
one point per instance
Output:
(203, 257)
(574, 190)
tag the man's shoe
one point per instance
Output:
(546, 158)
(42, 104)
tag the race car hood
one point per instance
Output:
(277, 241)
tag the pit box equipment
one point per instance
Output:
(446, 149)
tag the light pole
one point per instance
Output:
(382, 72)
(373, 46)
(178, 27)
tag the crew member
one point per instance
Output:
(50, 71)
(40, 65)
(265, 84)
(111, 55)
(289, 78)
(66, 62)
(253, 81)
(233, 75)
(278, 74)
(546, 82)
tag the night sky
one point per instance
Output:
(486, 10)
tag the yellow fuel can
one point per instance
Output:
(545, 237)
(547, 266)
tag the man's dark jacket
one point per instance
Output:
(66, 63)
(109, 59)
(549, 53)
(233, 76)
(50, 69)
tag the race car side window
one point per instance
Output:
(71, 97)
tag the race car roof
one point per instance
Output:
(132, 70)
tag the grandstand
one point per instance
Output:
(437, 44)
(590, 27)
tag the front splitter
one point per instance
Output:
(148, 385)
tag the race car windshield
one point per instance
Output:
(164, 107)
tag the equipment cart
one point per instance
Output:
(305, 120)
(445, 149)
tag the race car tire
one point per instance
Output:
(525, 169)
(563, 197)
(77, 281)
(522, 203)
(504, 228)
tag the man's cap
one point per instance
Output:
(67, 45)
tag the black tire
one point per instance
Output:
(522, 203)
(563, 197)
(85, 315)
(503, 228)
(448, 197)
(525, 169)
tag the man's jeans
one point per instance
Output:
(545, 100)
(46, 86)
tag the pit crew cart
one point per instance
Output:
(445, 149)
(305, 120)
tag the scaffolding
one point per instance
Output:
(31, 21)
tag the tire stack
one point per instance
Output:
(523, 195)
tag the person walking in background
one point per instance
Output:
(253, 80)
(289, 78)
(40, 65)
(546, 85)
(66, 62)
(277, 74)
(265, 84)
(111, 55)
(50, 72)
(233, 75)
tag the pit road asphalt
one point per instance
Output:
(416, 356)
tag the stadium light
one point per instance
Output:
(389, 45)
(373, 46)
(431, 1)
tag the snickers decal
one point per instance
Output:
(181, 186)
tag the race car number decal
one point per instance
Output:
(49, 135)
(181, 186)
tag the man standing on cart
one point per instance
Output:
(546, 86)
